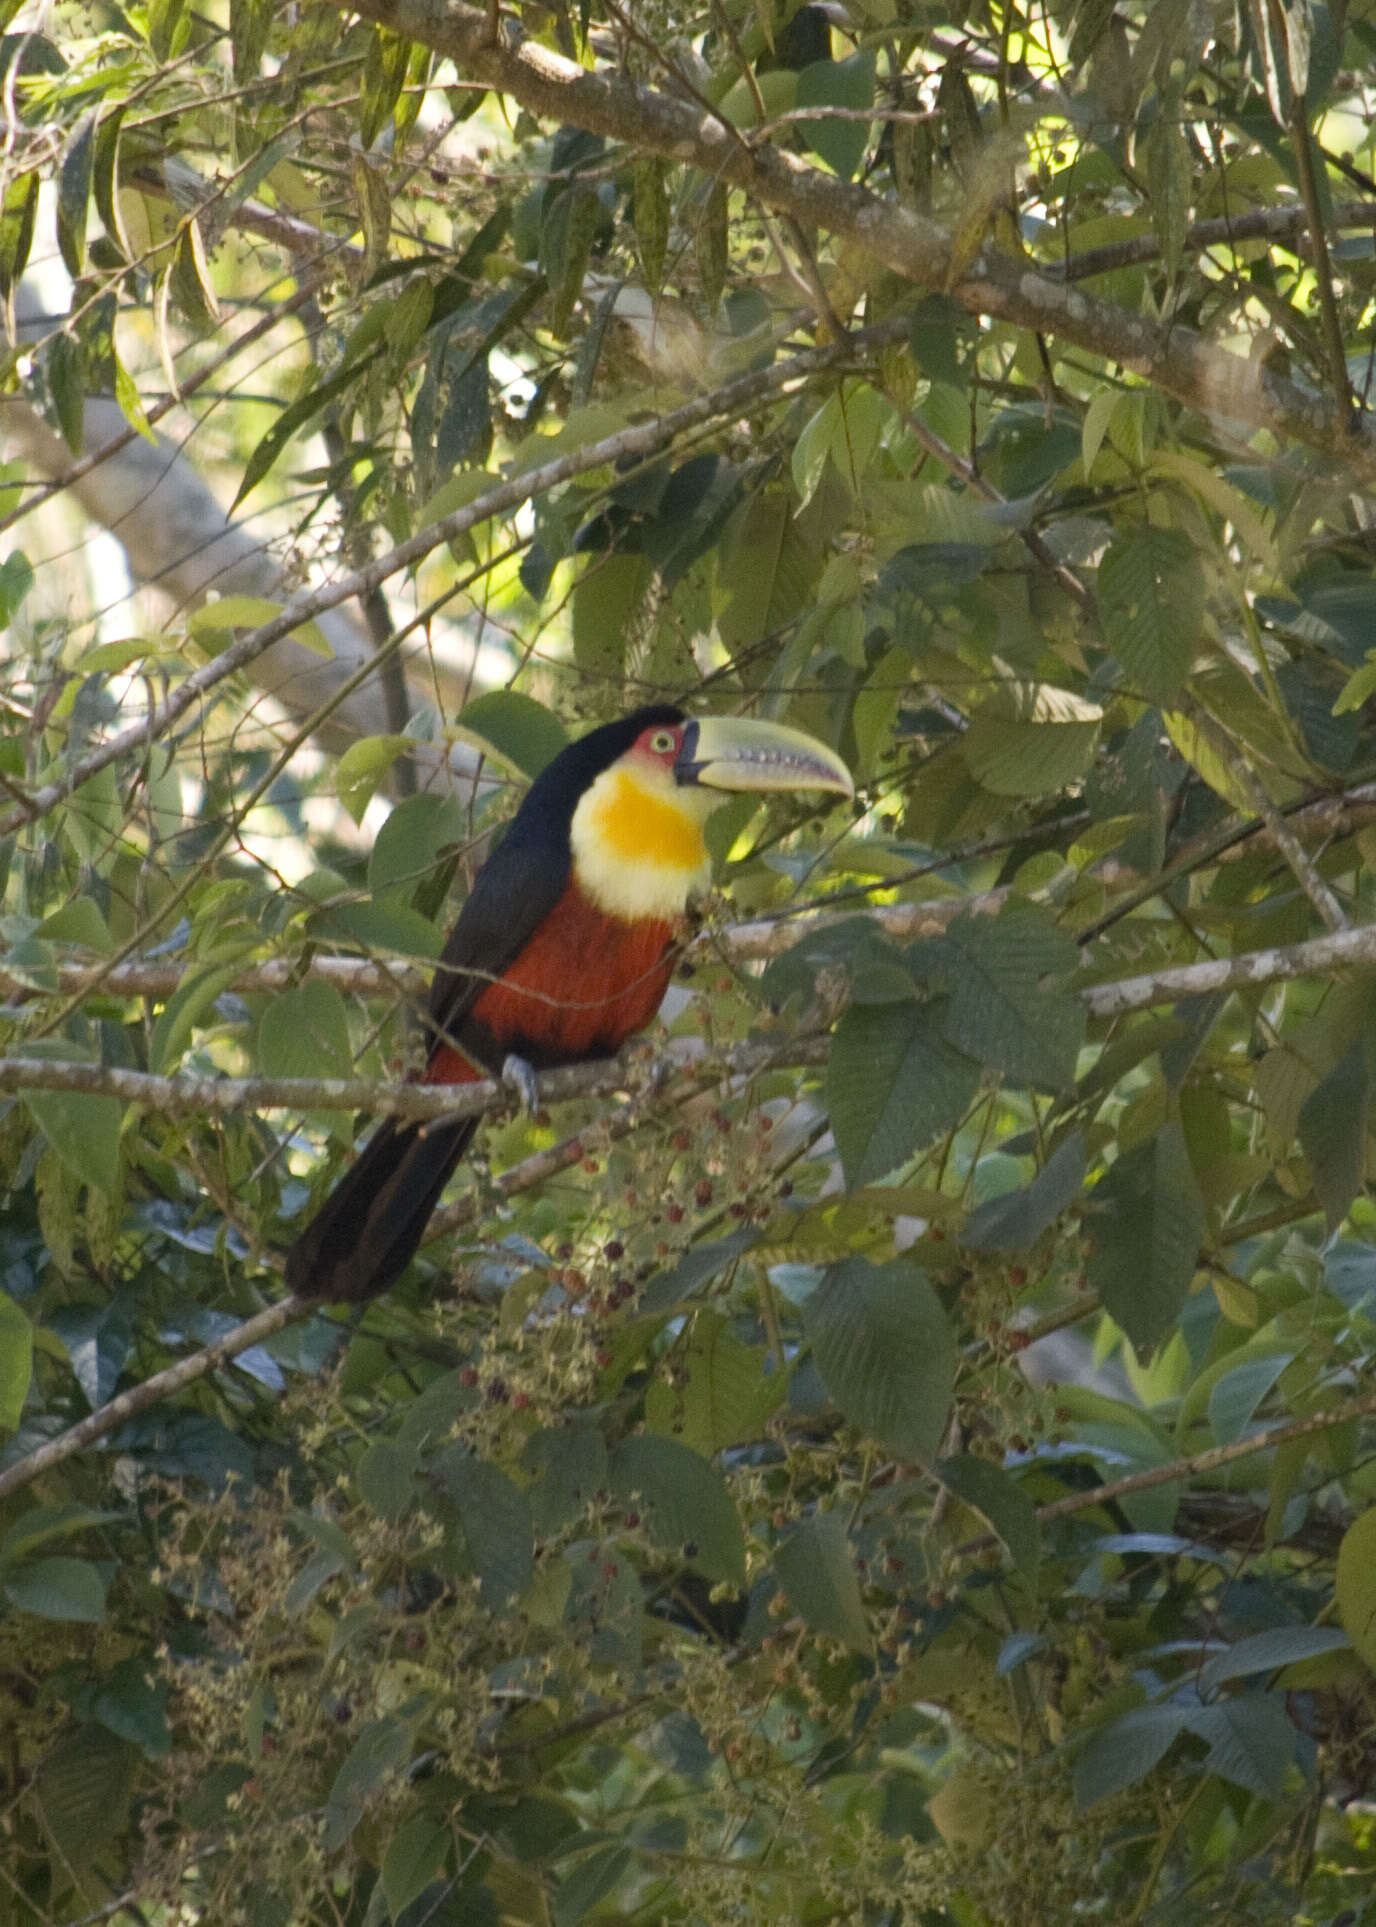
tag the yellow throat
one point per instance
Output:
(638, 848)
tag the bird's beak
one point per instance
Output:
(741, 753)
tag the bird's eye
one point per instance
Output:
(663, 741)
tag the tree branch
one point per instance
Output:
(1214, 1459)
(1210, 379)
(639, 441)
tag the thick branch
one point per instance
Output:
(1206, 378)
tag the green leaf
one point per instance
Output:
(886, 1353)
(1030, 739)
(177, 1020)
(1015, 1221)
(1000, 1502)
(131, 1701)
(380, 1751)
(514, 728)
(16, 229)
(74, 192)
(386, 1480)
(84, 1128)
(65, 366)
(362, 767)
(415, 1856)
(1151, 604)
(58, 1588)
(1147, 1222)
(1332, 1133)
(1235, 1396)
(416, 834)
(78, 922)
(817, 1572)
(893, 1082)
(384, 928)
(686, 1504)
(607, 602)
(1251, 1740)
(721, 1393)
(1125, 1751)
(305, 1033)
(570, 1467)
(838, 83)
(591, 1881)
(1355, 1587)
(1009, 1007)
(16, 1361)
(1267, 1652)
(83, 1784)
(494, 1517)
(44, 1522)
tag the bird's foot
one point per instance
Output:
(519, 1078)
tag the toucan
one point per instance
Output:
(563, 949)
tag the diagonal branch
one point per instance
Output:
(638, 442)
(1210, 379)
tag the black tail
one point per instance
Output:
(367, 1231)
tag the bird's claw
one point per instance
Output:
(519, 1078)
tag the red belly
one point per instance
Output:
(583, 984)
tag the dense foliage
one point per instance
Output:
(698, 1533)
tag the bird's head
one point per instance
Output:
(637, 828)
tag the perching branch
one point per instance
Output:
(536, 1169)
(1213, 380)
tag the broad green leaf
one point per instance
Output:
(590, 1882)
(217, 618)
(98, 1339)
(816, 1569)
(16, 1361)
(570, 1467)
(305, 1033)
(82, 1785)
(78, 922)
(1251, 1739)
(1355, 1586)
(1147, 1222)
(131, 1701)
(838, 83)
(893, 1082)
(886, 1353)
(1031, 740)
(1236, 1395)
(1125, 1751)
(686, 1504)
(415, 1857)
(1151, 604)
(384, 928)
(1007, 1008)
(362, 767)
(16, 228)
(58, 1588)
(1267, 1652)
(607, 601)
(84, 1129)
(1015, 1221)
(720, 1394)
(517, 730)
(380, 1751)
(1332, 1132)
(494, 1517)
(386, 1479)
(416, 834)
(1000, 1502)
